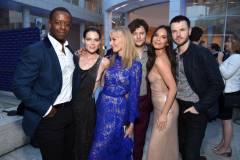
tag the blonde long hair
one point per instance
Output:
(129, 49)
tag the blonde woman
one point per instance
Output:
(117, 102)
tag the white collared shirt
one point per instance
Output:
(230, 70)
(67, 68)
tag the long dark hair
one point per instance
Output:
(169, 51)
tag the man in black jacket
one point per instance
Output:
(199, 84)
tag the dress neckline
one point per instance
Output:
(90, 67)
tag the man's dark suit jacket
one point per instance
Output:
(204, 77)
(37, 82)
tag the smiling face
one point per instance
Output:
(116, 42)
(59, 25)
(160, 39)
(92, 41)
(139, 36)
(180, 32)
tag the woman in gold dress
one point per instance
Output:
(164, 139)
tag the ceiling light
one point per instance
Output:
(117, 8)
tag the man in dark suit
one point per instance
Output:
(199, 83)
(43, 81)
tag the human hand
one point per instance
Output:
(129, 130)
(80, 51)
(162, 121)
(220, 57)
(52, 112)
(191, 110)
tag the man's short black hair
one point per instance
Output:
(216, 47)
(180, 18)
(59, 9)
(136, 23)
(196, 34)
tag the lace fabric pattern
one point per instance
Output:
(116, 106)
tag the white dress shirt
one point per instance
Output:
(230, 70)
(67, 68)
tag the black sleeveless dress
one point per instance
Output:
(84, 109)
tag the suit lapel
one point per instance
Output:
(54, 57)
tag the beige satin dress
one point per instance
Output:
(163, 144)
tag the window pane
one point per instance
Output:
(67, 1)
(233, 7)
(233, 26)
(75, 2)
(201, 8)
(91, 4)
(213, 28)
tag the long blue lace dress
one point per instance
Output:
(116, 106)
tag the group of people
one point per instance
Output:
(86, 106)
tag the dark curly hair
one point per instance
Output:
(136, 23)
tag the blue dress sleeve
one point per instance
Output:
(134, 90)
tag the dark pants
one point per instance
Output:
(55, 136)
(191, 131)
(140, 127)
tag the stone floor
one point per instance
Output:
(213, 135)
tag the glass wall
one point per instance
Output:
(10, 19)
(74, 2)
(218, 18)
(94, 5)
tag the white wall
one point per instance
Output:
(154, 15)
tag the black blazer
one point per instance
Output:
(204, 77)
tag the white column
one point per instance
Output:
(82, 28)
(98, 5)
(107, 20)
(82, 3)
(82, 24)
(183, 7)
(174, 8)
(26, 17)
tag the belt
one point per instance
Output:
(61, 105)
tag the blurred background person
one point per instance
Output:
(196, 35)
(230, 70)
(215, 49)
